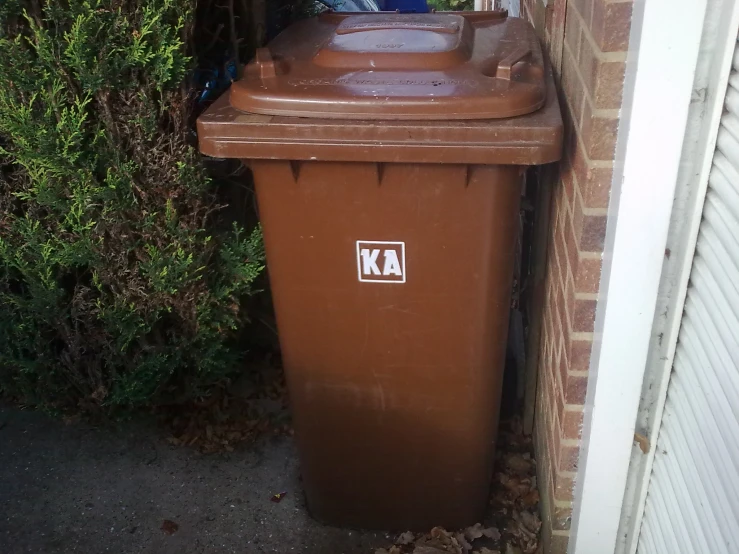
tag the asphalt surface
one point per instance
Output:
(68, 488)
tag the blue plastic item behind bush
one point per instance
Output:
(405, 6)
(352, 5)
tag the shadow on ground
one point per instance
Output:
(75, 488)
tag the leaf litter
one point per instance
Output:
(237, 414)
(233, 414)
(169, 527)
(512, 525)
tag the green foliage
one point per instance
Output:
(452, 5)
(114, 288)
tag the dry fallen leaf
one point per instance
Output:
(466, 546)
(473, 532)
(439, 539)
(406, 538)
(169, 527)
(277, 498)
(531, 521)
(491, 533)
(429, 549)
(531, 499)
(513, 501)
(393, 550)
(519, 464)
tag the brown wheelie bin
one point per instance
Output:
(387, 152)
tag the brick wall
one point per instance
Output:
(587, 42)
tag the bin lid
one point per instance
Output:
(450, 66)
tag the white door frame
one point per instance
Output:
(660, 71)
(718, 43)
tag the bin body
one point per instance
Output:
(389, 204)
(394, 385)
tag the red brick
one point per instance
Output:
(547, 301)
(569, 130)
(603, 80)
(593, 235)
(583, 316)
(556, 440)
(587, 60)
(594, 182)
(570, 303)
(546, 312)
(549, 19)
(559, 257)
(558, 348)
(546, 362)
(541, 441)
(557, 253)
(563, 367)
(587, 277)
(556, 204)
(576, 388)
(567, 175)
(611, 25)
(561, 249)
(572, 249)
(560, 315)
(543, 387)
(570, 135)
(549, 329)
(572, 424)
(574, 93)
(548, 401)
(597, 191)
(568, 457)
(563, 487)
(577, 219)
(585, 9)
(573, 32)
(557, 32)
(551, 340)
(564, 201)
(559, 403)
(551, 240)
(561, 518)
(551, 404)
(553, 207)
(598, 135)
(608, 81)
(558, 544)
(579, 354)
(549, 321)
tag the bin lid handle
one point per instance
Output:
(264, 63)
(505, 66)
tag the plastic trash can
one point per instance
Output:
(388, 153)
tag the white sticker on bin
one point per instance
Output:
(381, 261)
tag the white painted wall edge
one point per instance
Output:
(664, 45)
(478, 5)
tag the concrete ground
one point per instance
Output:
(76, 488)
